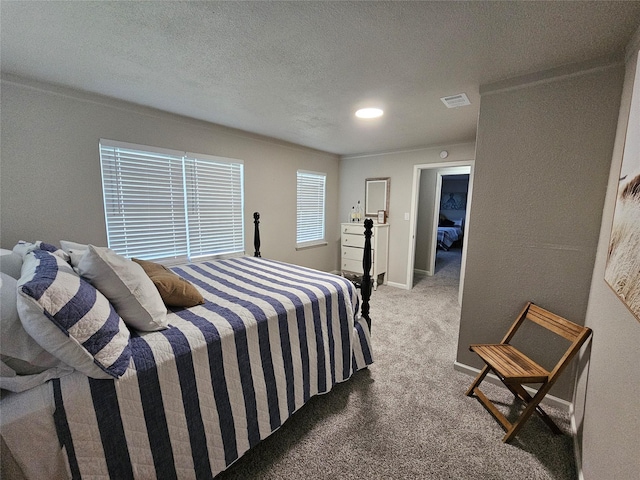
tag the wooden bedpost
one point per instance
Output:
(256, 234)
(366, 268)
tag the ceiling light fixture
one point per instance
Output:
(369, 113)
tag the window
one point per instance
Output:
(311, 199)
(164, 204)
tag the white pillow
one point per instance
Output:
(74, 250)
(66, 245)
(70, 319)
(17, 349)
(127, 286)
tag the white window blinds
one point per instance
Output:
(214, 206)
(310, 207)
(163, 204)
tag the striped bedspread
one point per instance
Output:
(222, 377)
(447, 236)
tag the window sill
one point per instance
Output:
(306, 246)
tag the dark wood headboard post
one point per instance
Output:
(256, 234)
(366, 268)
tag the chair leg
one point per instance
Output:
(528, 411)
(474, 390)
(491, 408)
(519, 390)
(532, 405)
(483, 373)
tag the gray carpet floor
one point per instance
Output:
(406, 416)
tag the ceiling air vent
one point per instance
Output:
(453, 101)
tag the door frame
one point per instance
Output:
(415, 192)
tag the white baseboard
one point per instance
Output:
(399, 285)
(491, 378)
(423, 273)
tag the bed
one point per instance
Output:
(447, 236)
(195, 396)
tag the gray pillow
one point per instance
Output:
(17, 349)
(10, 263)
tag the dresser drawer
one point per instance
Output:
(352, 240)
(355, 229)
(354, 266)
(354, 253)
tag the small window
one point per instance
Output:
(311, 208)
(170, 205)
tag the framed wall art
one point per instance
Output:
(622, 272)
(453, 201)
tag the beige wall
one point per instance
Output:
(399, 167)
(607, 398)
(424, 227)
(543, 153)
(50, 172)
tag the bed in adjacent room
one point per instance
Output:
(179, 396)
(449, 231)
(447, 236)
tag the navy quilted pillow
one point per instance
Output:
(22, 248)
(69, 318)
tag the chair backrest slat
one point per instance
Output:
(558, 325)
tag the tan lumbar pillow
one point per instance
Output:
(174, 290)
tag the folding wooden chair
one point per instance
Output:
(515, 369)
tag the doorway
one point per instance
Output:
(426, 203)
(447, 238)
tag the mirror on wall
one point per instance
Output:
(376, 196)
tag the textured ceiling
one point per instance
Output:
(297, 71)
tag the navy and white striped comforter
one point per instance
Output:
(225, 375)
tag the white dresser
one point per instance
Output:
(352, 249)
